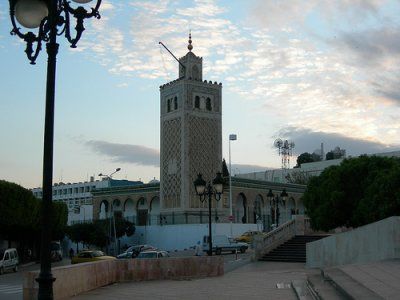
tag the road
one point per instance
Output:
(11, 283)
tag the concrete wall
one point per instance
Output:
(179, 237)
(75, 279)
(372, 242)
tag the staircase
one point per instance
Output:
(293, 250)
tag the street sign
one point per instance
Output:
(230, 218)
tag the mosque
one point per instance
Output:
(191, 143)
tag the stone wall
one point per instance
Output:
(372, 242)
(75, 279)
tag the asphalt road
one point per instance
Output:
(11, 283)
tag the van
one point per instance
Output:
(8, 260)
(223, 243)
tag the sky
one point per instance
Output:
(311, 71)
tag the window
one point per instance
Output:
(168, 105)
(208, 103)
(82, 189)
(76, 190)
(70, 191)
(197, 102)
(54, 192)
(176, 103)
(87, 189)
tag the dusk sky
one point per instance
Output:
(310, 71)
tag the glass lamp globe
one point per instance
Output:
(30, 13)
(82, 1)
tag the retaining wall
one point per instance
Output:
(75, 279)
(372, 242)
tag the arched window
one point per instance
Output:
(197, 102)
(168, 105)
(208, 104)
(176, 103)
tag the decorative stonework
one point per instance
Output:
(204, 148)
(171, 166)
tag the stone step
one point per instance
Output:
(293, 250)
(348, 286)
(321, 288)
(289, 253)
(283, 259)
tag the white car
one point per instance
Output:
(8, 260)
(153, 254)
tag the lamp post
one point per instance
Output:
(205, 191)
(232, 137)
(52, 19)
(274, 201)
(284, 196)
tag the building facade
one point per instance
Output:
(78, 196)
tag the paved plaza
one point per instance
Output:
(258, 280)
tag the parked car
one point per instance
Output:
(89, 256)
(248, 236)
(134, 251)
(153, 254)
(223, 243)
(8, 260)
(56, 251)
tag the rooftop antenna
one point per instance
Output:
(285, 150)
(190, 47)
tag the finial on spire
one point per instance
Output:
(190, 46)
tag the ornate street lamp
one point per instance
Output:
(50, 18)
(204, 190)
(275, 200)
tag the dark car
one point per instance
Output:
(134, 251)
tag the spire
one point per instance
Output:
(190, 46)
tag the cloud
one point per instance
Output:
(307, 140)
(334, 63)
(134, 154)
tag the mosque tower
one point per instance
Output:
(191, 137)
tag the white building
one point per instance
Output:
(78, 196)
(308, 169)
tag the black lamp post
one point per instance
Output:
(50, 18)
(204, 190)
(275, 200)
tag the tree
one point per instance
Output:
(304, 158)
(225, 173)
(97, 232)
(298, 177)
(20, 216)
(357, 192)
(335, 153)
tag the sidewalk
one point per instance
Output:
(257, 280)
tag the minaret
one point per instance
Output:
(191, 135)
